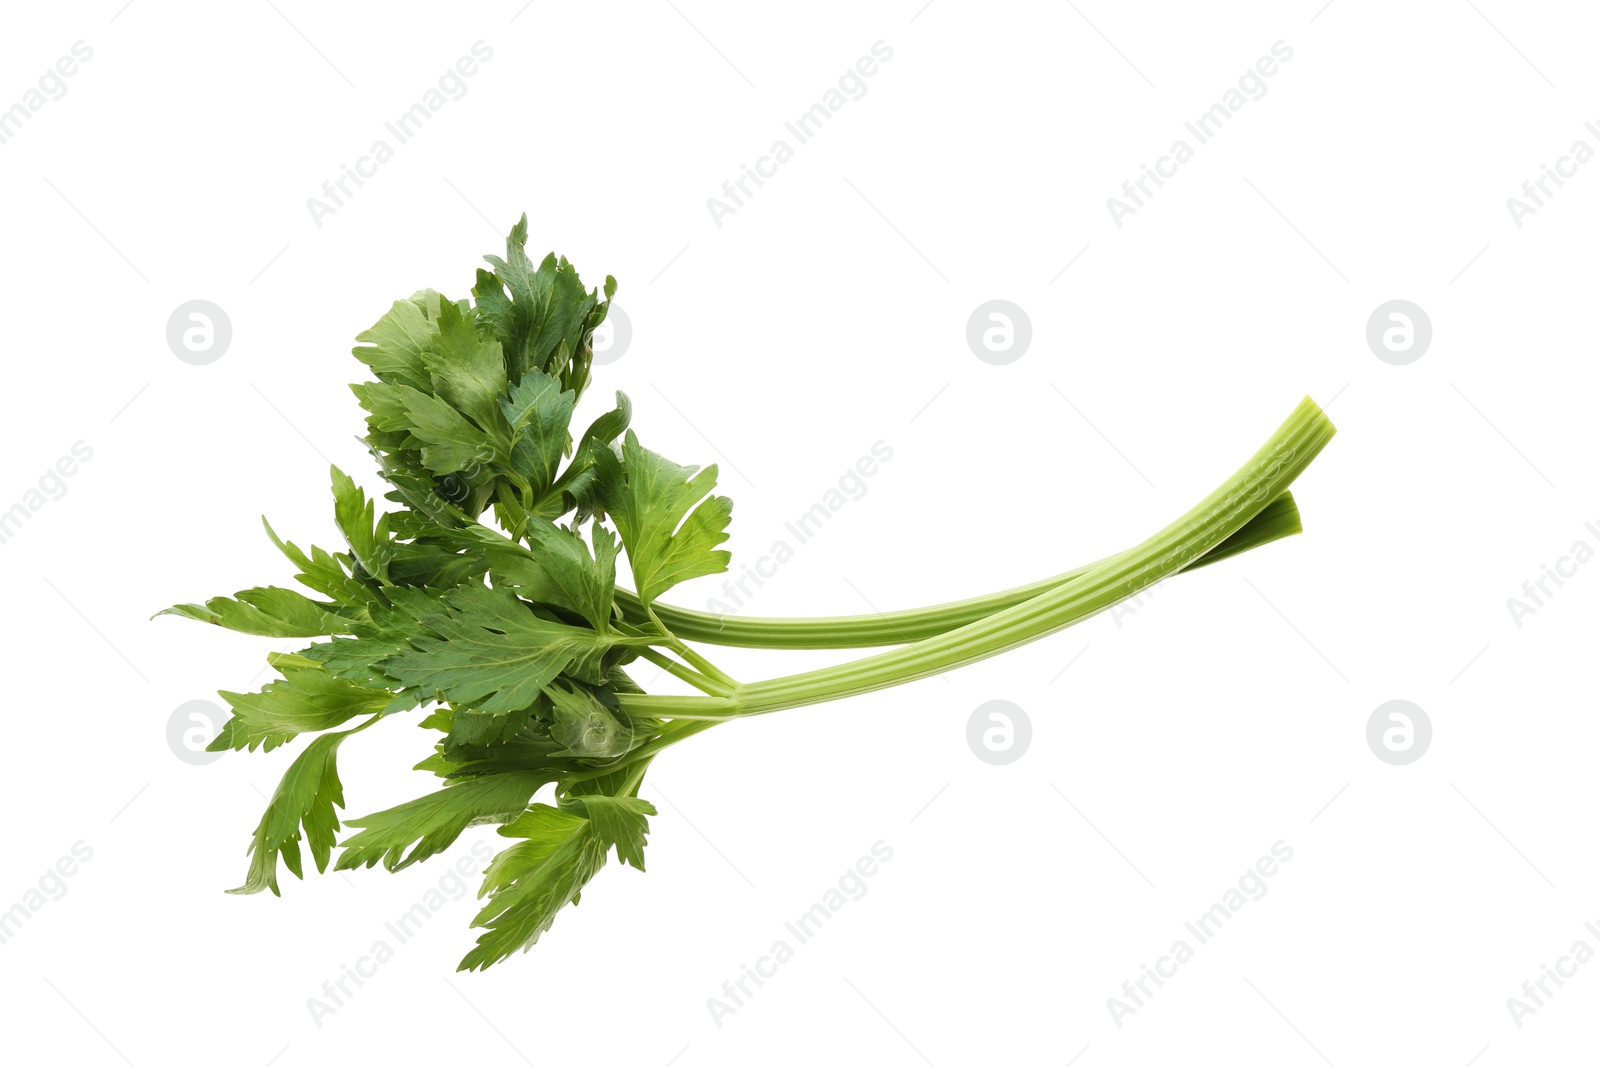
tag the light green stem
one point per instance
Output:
(1278, 519)
(1207, 525)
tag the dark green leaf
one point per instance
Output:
(467, 370)
(563, 848)
(560, 572)
(306, 796)
(669, 523)
(620, 822)
(324, 572)
(394, 345)
(266, 612)
(487, 649)
(533, 311)
(429, 824)
(353, 512)
(302, 701)
(538, 413)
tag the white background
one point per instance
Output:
(828, 313)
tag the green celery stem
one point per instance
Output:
(1204, 527)
(1278, 519)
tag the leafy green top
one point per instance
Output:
(479, 595)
